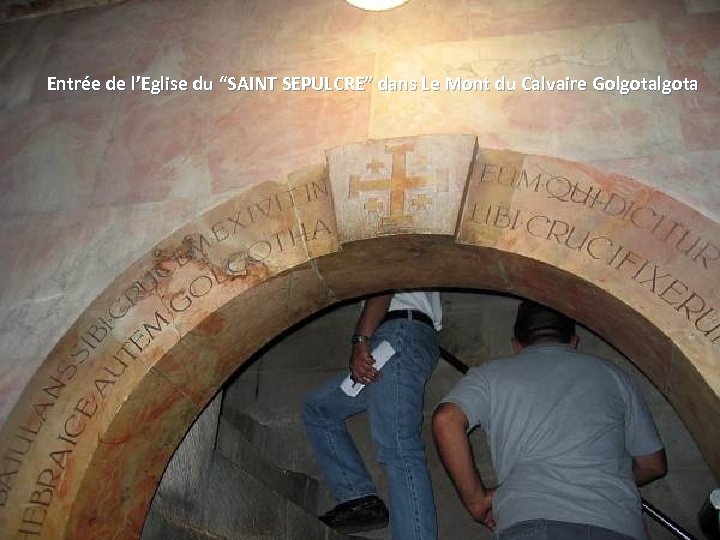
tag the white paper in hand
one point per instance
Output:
(382, 353)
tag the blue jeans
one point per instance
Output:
(394, 404)
(543, 529)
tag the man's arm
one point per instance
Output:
(649, 467)
(641, 434)
(361, 360)
(449, 426)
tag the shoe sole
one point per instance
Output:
(363, 528)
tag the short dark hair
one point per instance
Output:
(535, 322)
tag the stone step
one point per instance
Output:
(238, 505)
(233, 444)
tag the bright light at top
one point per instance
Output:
(376, 5)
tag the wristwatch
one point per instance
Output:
(359, 338)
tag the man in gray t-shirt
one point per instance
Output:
(569, 434)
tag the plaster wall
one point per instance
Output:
(92, 180)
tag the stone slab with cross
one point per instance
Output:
(392, 185)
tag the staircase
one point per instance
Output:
(219, 487)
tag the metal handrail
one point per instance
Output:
(648, 508)
(666, 522)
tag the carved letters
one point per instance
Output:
(531, 206)
(629, 233)
(245, 242)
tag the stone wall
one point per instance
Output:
(477, 327)
(94, 180)
(219, 487)
(119, 389)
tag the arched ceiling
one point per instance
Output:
(85, 447)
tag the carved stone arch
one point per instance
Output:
(84, 448)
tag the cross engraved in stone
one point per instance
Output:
(375, 165)
(374, 205)
(421, 202)
(398, 183)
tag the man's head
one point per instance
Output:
(536, 323)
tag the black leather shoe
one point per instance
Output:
(359, 515)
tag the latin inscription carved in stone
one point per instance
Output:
(584, 195)
(601, 248)
(236, 245)
(403, 185)
(615, 234)
(533, 207)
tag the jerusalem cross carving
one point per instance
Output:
(398, 184)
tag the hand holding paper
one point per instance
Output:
(382, 353)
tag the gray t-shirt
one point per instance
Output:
(562, 427)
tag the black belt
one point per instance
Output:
(411, 314)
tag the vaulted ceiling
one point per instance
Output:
(11, 10)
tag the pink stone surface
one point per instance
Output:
(656, 259)
(391, 186)
(50, 156)
(149, 423)
(321, 30)
(411, 25)
(91, 182)
(45, 302)
(683, 175)
(13, 378)
(25, 45)
(98, 60)
(115, 22)
(116, 41)
(693, 49)
(157, 343)
(702, 6)
(150, 20)
(51, 244)
(570, 124)
(215, 348)
(157, 151)
(260, 136)
(495, 17)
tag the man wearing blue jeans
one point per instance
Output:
(569, 434)
(393, 397)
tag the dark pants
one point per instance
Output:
(542, 529)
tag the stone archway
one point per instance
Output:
(85, 447)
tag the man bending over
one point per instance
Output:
(569, 434)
